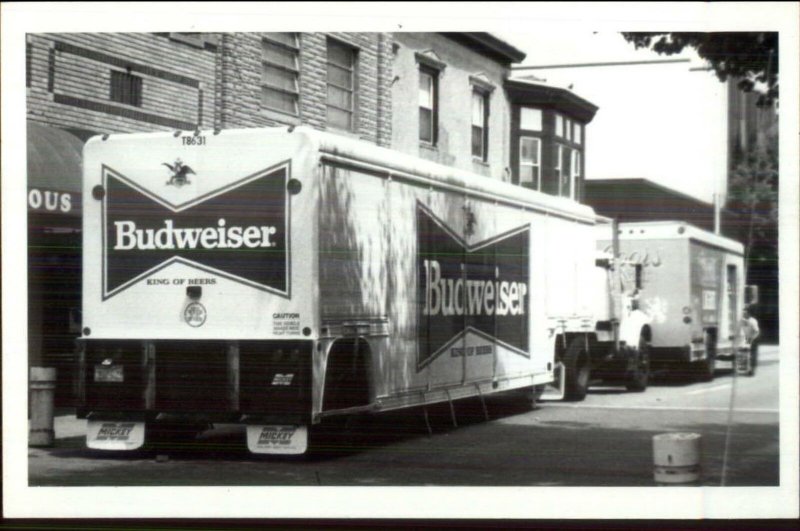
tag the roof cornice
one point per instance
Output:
(558, 98)
(489, 45)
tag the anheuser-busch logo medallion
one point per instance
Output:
(478, 290)
(238, 231)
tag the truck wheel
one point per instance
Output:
(578, 372)
(641, 374)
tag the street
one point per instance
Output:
(604, 441)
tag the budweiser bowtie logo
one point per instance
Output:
(472, 297)
(237, 232)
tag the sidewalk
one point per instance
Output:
(66, 425)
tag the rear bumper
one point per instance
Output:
(204, 381)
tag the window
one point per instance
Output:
(557, 165)
(480, 124)
(280, 72)
(578, 133)
(576, 173)
(559, 125)
(565, 189)
(428, 105)
(530, 119)
(126, 88)
(28, 53)
(530, 150)
(341, 85)
(567, 129)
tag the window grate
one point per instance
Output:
(126, 88)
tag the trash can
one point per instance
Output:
(676, 457)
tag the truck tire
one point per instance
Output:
(640, 376)
(577, 371)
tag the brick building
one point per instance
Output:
(339, 82)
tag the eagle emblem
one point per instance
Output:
(180, 172)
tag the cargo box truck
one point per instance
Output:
(692, 287)
(279, 277)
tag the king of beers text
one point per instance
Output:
(237, 231)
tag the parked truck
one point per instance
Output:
(692, 287)
(282, 277)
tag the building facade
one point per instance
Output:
(448, 100)
(92, 83)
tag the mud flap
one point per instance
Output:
(107, 435)
(277, 439)
(556, 389)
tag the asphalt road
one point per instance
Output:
(604, 441)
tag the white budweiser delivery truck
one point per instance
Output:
(692, 287)
(275, 277)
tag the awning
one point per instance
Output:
(54, 171)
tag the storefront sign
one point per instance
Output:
(51, 201)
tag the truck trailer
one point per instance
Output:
(692, 288)
(281, 277)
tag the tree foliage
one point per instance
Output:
(750, 57)
(753, 195)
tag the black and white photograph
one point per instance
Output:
(415, 260)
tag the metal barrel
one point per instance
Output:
(676, 457)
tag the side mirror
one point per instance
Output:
(751, 295)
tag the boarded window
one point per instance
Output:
(126, 88)
(280, 72)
